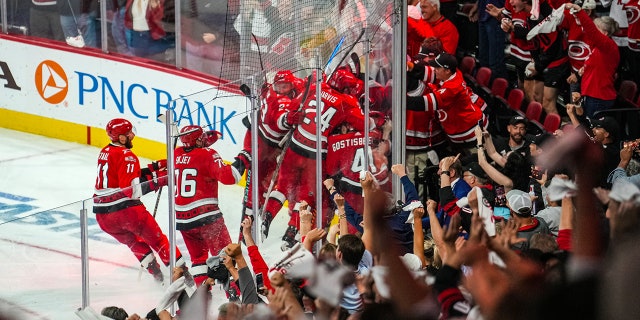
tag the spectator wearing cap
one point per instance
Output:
(425, 140)
(451, 101)
(519, 203)
(599, 71)
(442, 28)
(517, 130)
(474, 176)
(606, 131)
(515, 168)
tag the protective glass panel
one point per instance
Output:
(40, 250)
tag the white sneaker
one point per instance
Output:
(77, 41)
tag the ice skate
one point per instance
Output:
(154, 269)
(289, 238)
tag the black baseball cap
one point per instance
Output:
(476, 170)
(518, 119)
(609, 124)
(445, 60)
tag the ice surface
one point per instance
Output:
(42, 184)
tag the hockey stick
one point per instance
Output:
(347, 53)
(259, 57)
(284, 144)
(333, 54)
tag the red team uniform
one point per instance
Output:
(276, 115)
(345, 157)
(198, 169)
(117, 205)
(296, 181)
(450, 100)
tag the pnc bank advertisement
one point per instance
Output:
(90, 90)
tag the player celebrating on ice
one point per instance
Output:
(296, 181)
(277, 116)
(198, 170)
(119, 186)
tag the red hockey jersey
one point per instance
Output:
(346, 156)
(336, 109)
(197, 174)
(118, 182)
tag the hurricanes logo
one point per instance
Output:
(51, 82)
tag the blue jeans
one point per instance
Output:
(592, 105)
(118, 32)
(491, 44)
(86, 25)
(143, 45)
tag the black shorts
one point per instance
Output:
(556, 77)
(521, 66)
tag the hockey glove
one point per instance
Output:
(210, 137)
(153, 180)
(293, 118)
(242, 162)
(158, 165)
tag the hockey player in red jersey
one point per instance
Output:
(119, 185)
(450, 100)
(296, 182)
(346, 159)
(277, 116)
(198, 169)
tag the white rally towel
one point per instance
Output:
(413, 205)
(623, 190)
(560, 188)
(549, 24)
(325, 280)
(485, 211)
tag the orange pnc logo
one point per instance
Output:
(51, 82)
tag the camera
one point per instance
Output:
(535, 173)
(635, 146)
(217, 270)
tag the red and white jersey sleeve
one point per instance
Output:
(579, 51)
(272, 126)
(519, 48)
(456, 112)
(633, 16)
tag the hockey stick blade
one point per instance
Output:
(347, 53)
(333, 54)
(245, 90)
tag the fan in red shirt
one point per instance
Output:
(600, 68)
